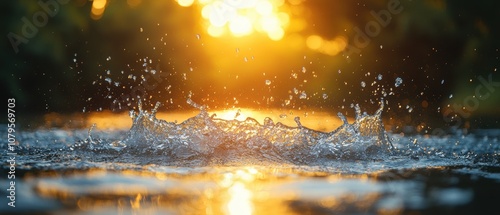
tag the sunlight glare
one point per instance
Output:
(240, 26)
(240, 196)
(216, 31)
(232, 114)
(242, 18)
(264, 8)
(239, 200)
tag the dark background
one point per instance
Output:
(440, 49)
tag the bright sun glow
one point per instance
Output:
(242, 17)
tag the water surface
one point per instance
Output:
(209, 165)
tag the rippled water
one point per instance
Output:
(208, 165)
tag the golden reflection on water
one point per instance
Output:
(242, 190)
(239, 201)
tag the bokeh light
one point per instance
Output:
(98, 7)
(328, 47)
(242, 18)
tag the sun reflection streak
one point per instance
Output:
(239, 200)
(239, 195)
(241, 190)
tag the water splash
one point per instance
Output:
(205, 136)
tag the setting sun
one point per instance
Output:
(242, 18)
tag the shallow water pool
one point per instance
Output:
(160, 167)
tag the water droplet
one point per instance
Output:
(381, 46)
(379, 77)
(268, 82)
(451, 96)
(108, 58)
(198, 36)
(442, 81)
(297, 120)
(304, 70)
(363, 84)
(303, 95)
(238, 113)
(398, 82)
(325, 96)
